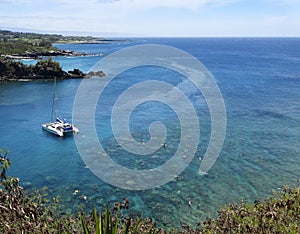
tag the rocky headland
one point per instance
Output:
(16, 46)
(50, 53)
(11, 70)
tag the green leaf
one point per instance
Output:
(115, 230)
(84, 225)
(96, 219)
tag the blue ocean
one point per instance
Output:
(259, 79)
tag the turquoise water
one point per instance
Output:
(260, 83)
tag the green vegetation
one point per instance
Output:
(44, 69)
(21, 213)
(21, 43)
(279, 213)
(33, 213)
(22, 48)
(17, 45)
(38, 39)
(108, 223)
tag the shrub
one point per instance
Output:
(20, 213)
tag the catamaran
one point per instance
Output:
(60, 126)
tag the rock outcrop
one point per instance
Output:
(44, 69)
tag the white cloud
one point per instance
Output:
(15, 2)
(195, 17)
(134, 4)
(276, 19)
(284, 2)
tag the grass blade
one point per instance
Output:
(115, 230)
(107, 221)
(84, 225)
(96, 219)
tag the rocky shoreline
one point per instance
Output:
(51, 53)
(11, 70)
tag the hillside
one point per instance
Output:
(30, 44)
(18, 45)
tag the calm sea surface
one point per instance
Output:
(260, 83)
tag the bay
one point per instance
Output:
(259, 79)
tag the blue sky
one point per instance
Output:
(154, 17)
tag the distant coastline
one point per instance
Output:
(91, 41)
(16, 46)
(50, 53)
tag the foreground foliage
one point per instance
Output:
(279, 213)
(20, 213)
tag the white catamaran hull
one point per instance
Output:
(53, 128)
(60, 127)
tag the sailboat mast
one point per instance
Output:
(54, 98)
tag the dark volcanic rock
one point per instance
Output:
(95, 74)
(44, 69)
(76, 73)
(52, 53)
